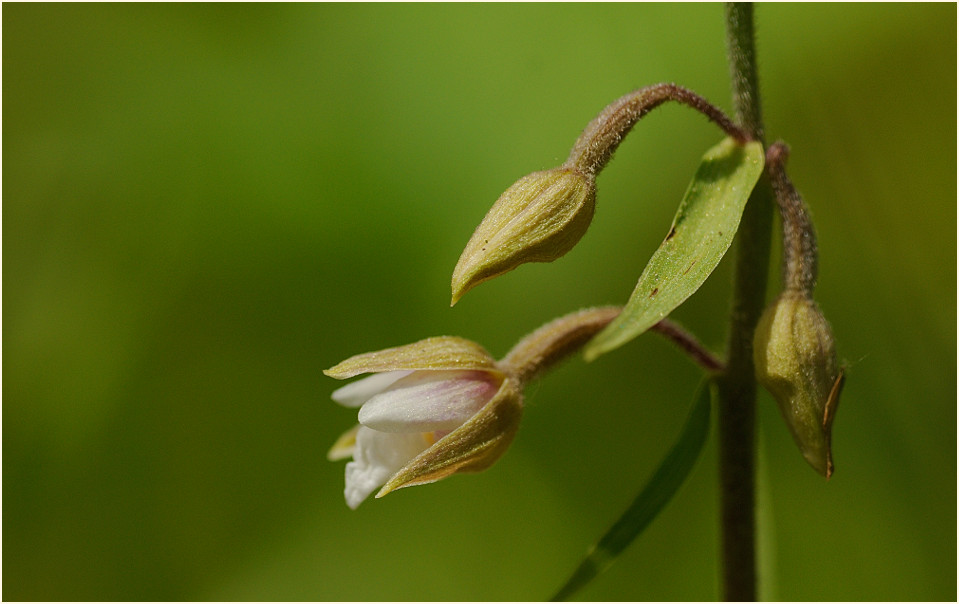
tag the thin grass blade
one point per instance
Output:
(664, 484)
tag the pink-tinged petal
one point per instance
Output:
(444, 352)
(360, 391)
(378, 456)
(472, 447)
(426, 401)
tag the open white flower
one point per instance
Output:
(443, 405)
(430, 409)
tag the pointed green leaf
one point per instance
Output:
(702, 231)
(650, 501)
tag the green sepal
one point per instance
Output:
(472, 447)
(443, 352)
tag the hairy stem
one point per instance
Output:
(800, 256)
(595, 146)
(555, 341)
(741, 54)
(737, 384)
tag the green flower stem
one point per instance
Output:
(688, 344)
(737, 385)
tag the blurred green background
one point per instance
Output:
(206, 205)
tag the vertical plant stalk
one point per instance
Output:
(741, 53)
(737, 384)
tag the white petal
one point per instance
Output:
(428, 401)
(356, 393)
(378, 456)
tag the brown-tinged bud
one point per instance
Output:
(795, 359)
(538, 219)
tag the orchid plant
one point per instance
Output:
(444, 405)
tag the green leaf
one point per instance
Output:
(651, 500)
(702, 231)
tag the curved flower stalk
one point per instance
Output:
(443, 405)
(543, 215)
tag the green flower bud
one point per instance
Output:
(795, 360)
(538, 219)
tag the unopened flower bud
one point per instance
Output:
(538, 219)
(795, 360)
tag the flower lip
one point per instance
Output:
(376, 457)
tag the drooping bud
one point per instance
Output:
(795, 360)
(793, 348)
(543, 215)
(538, 219)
